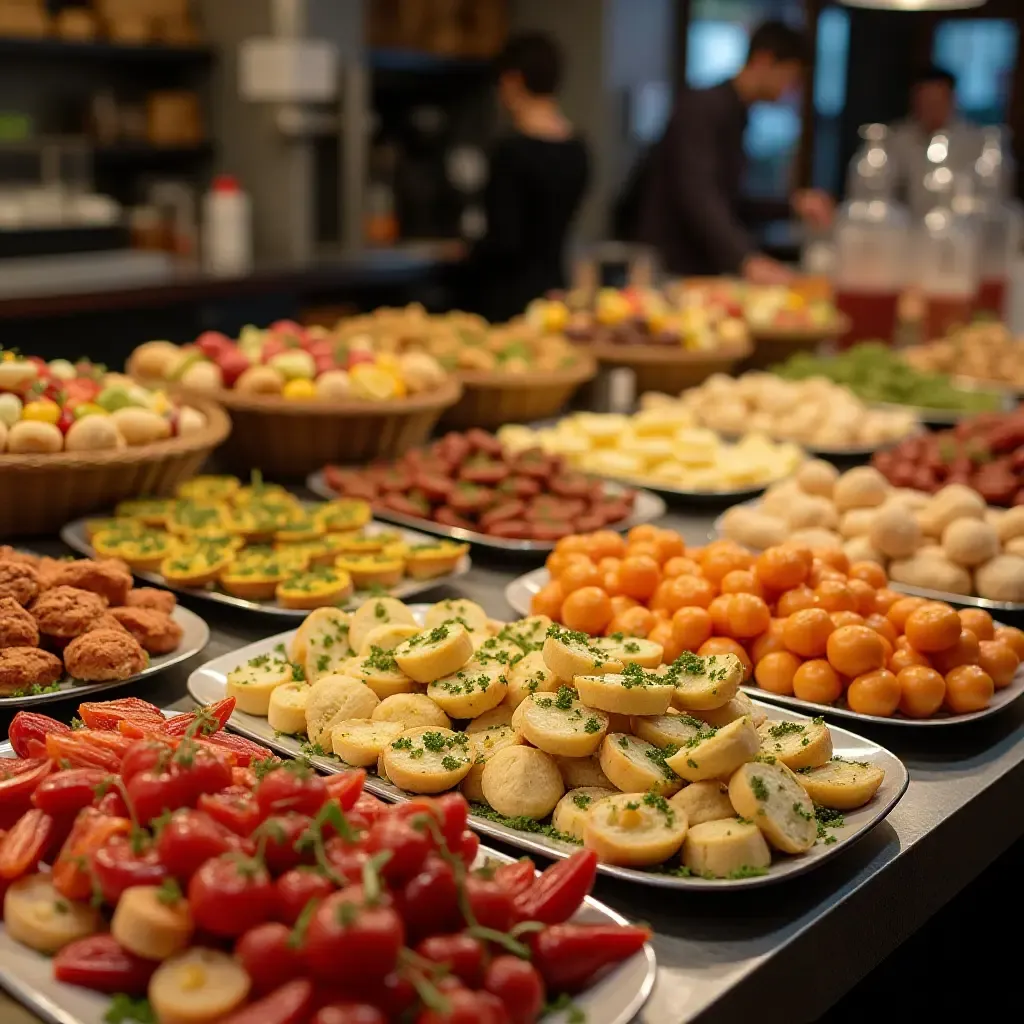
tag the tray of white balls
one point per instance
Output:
(948, 546)
(440, 697)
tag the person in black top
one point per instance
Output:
(538, 175)
(692, 212)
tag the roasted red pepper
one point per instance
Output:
(569, 955)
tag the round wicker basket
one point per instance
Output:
(667, 368)
(776, 344)
(490, 399)
(40, 493)
(288, 439)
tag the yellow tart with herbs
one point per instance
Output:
(126, 526)
(150, 511)
(256, 579)
(298, 529)
(142, 551)
(377, 570)
(192, 517)
(357, 544)
(207, 489)
(316, 588)
(318, 552)
(344, 515)
(198, 566)
(425, 561)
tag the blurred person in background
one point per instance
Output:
(932, 111)
(693, 212)
(538, 175)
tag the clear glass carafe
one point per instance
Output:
(1001, 222)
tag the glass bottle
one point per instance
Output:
(871, 249)
(948, 249)
(1000, 221)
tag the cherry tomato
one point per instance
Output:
(190, 839)
(116, 867)
(352, 941)
(146, 755)
(269, 956)
(204, 768)
(100, 964)
(282, 833)
(69, 791)
(290, 1004)
(347, 788)
(569, 955)
(491, 905)
(155, 792)
(235, 808)
(109, 714)
(231, 894)
(91, 831)
(517, 877)
(292, 787)
(469, 846)
(346, 860)
(466, 1007)
(25, 844)
(367, 807)
(407, 844)
(462, 955)
(560, 889)
(294, 889)
(518, 985)
(429, 901)
(28, 731)
(112, 804)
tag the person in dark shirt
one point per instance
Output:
(692, 212)
(538, 175)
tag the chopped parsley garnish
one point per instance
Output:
(784, 729)
(523, 824)
(757, 785)
(582, 800)
(747, 871)
(450, 764)
(434, 742)
(402, 743)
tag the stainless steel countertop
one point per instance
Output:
(720, 955)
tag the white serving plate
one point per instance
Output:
(74, 535)
(208, 684)
(521, 590)
(616, 998)
(647, 508)
(195, 636)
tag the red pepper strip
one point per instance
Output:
(67, 792)
(70, 875)
(346, 788)
(569, 955)
(25, 844)
(221, 712)
(100, 964)
(88, 748)
(559, 890)
(109, 714)
(245, 751)
(18, 781)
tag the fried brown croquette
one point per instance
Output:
(67, 612)
(106, 578)
(18, 580)
(156, 632)
(47, 571)
(17, 627)
(9, 554)
(104, 655)
(24, 667)
(149, 597)
(105, 621)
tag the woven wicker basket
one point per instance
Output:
(491, 399)
(40, 493)
(669, 369)
(776, 345)
(288, 439)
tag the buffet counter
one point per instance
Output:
(722, 955)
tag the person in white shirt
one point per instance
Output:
(932, 110)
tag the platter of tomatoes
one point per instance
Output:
(157, 868)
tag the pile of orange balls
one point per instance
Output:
(804, 622)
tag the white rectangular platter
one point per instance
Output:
(208, 684)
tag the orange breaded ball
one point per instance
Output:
(588, 609)
(868, 572)
(863, 595)
(721, 557)
(680, 566)
(885, 599)
(806, 632)
(905, 657)
(548, 601)
(769, 641)
(817, 681)
(968, 688)
(881, 625)
(781, 568)
(978, 621)
(922, 691)
(605, 544)
(636, 621)
(965, 651)
(691, 627)
(874, 693)
(855, 650)
(742, 581)
(748, 616)
(999, 660)
(1013, 636)
(933, 626)
(901, 608)
(639, 576)
(775, 672)
(668, 544)
(579, 573)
